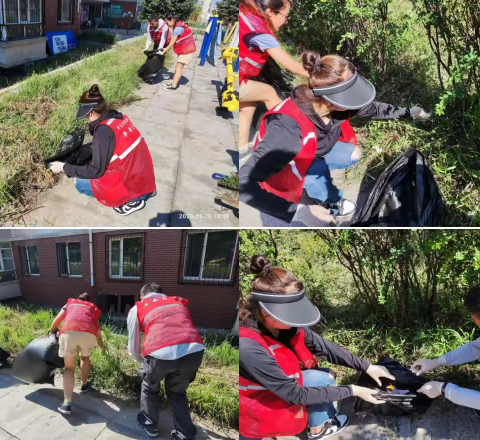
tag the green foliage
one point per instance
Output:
(163, 8)
(231, 180)
(228, 11)
(98, 36)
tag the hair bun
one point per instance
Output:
(260, 265)
(94, 90)
(311, 61)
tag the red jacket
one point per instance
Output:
(165, 322)
(130, 172)
(262, 412)
(185, 43)
(251, 60)
(288, 183)
(81, 316)
(156, 34)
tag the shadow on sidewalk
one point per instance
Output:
(175, 218)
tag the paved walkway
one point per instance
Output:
(189, 139)
(29, 412)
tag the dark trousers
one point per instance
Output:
(178, 375)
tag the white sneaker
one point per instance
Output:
(331, 428)
(343, 208)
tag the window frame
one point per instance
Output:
(27, 261)
(2, 268)
(59, 12)
(132, 279)
(3, 19)
(202, 261)
(69, 275)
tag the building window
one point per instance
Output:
(66, 9)
(210, 256)
(7, 266)
(125, 259)
(69, 260)
(29, 257)
(22, 11)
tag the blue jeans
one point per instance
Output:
(318, 183)
(318, 413)
(84, 186)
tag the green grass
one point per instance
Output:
(35, 119)
(98, 36)
(214, 393)
(231, 180)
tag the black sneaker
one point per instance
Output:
(130, 207)
(85, 388)
(147, 425)
(343, 208)
(65, 408)
(332, 427)
(477, 413)
(177, 435)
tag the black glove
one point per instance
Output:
(419, 114)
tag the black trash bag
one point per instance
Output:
(38, 360)
(405, 194)
(4, 355)
(153, 65)
(72, 150)
(279, 79)
(405, 380)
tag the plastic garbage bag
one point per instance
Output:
(72, 150)
(405, 384)
(154, 64)
(4, 355)
(38, 360)
(405, 194)
(279, 79)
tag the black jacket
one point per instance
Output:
(283, 141)
(103, 146)
(258, 365)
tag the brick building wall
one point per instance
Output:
(127, 6)
(50, 18)
(211, 305)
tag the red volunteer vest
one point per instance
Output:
(185, 43)
(165, 322)
(81, 316)
(263, 413)
(130, 171)
(251, 60)
(288, 183)
(157, 34)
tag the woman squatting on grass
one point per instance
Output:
(281, 387)
(309, 134)
(80, 329)
(260, 20)
(121, 173)
(172, 350)
(183, 45)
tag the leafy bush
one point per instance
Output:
(98, 36)
(162, 8)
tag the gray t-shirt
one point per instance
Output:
(178, 30)
(263, 42)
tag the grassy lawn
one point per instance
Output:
(34, 119)
(214, 393)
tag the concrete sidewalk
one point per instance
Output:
(29, 412)
(189, 140)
